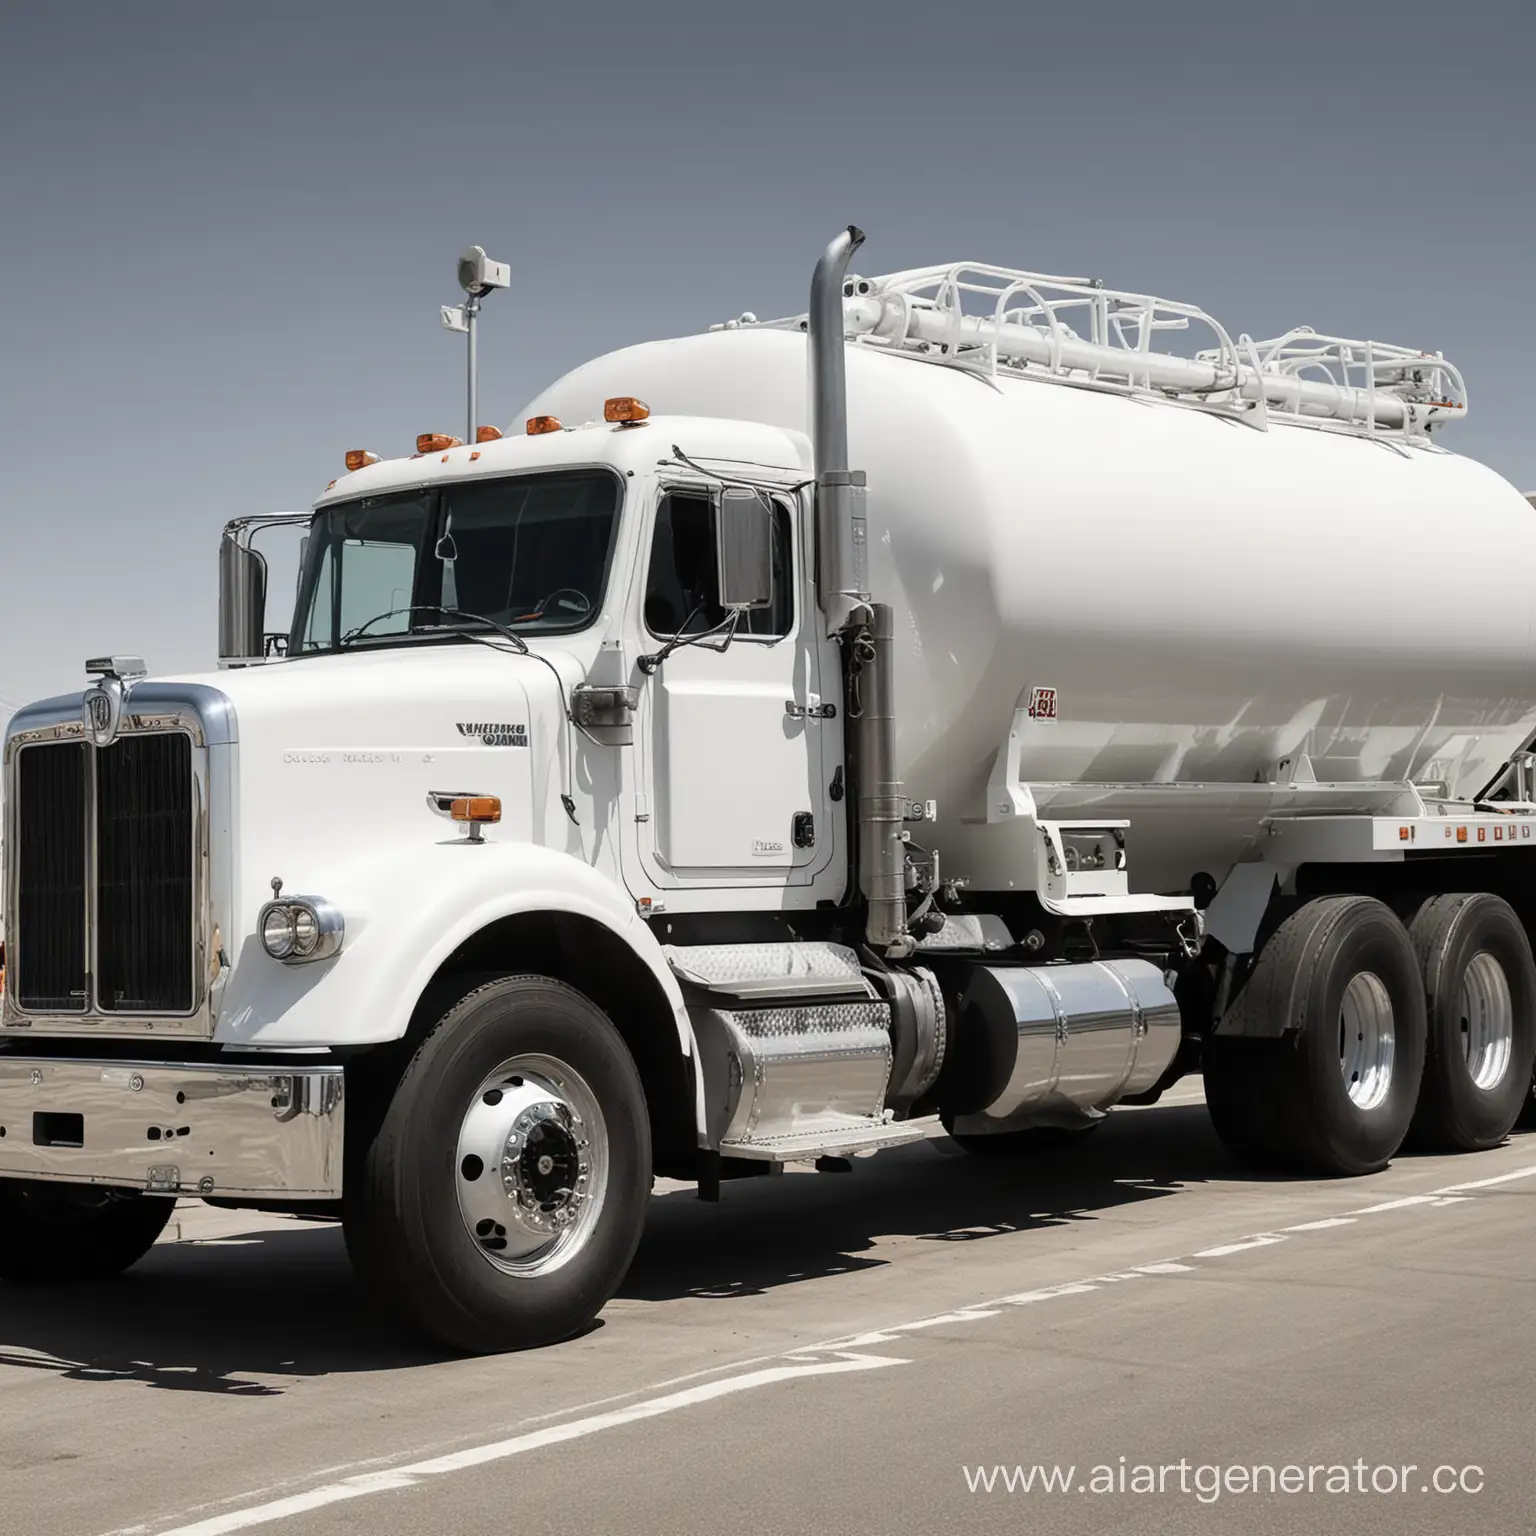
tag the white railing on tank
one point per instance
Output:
(1076, 331)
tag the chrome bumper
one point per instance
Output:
(178, 1130)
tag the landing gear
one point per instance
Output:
(502, 1197)
(55, 1233)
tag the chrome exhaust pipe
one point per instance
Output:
(841, 535)
(842, 576)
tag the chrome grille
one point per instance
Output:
(48, 970)
(144, 875)
(105, 884)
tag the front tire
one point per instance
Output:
(53, 1234)
(1480, 983)
(502, 1198)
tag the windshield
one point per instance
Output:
(528, 552)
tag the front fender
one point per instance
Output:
(405, 915)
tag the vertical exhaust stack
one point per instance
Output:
(842, 569)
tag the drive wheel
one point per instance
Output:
(51, 1234)
(1480, 984)
(1322, 1073)
(502, 1198)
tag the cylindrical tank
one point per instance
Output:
(1209, 601)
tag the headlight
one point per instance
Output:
(306, 932)
(297, 929)
(277, 936)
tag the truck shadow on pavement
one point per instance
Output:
(253, 1314)
(770, 1232)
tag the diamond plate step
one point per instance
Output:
(807, 1146)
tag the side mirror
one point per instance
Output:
(243, 635)
(744, 543)
(242, 598)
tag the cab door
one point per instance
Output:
(733, 720)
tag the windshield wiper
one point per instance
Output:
(357, 632)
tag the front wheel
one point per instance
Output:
(502, 1198)
(52, 1234)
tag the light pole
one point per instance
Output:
(478, 276)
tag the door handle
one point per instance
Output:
(794, 711)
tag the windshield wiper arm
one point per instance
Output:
(358, 631)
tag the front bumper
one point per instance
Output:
(184, 1129)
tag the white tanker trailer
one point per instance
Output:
(978, 702)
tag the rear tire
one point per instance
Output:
(1323, 1073)
(53, 1234)
(1480, 986)
(502, 1197)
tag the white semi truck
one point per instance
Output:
(588, 825)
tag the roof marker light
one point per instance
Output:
(360, 458)
(537, 425)
(436, 442)
(487, 434)
(626, 410)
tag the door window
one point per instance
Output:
(682, 589)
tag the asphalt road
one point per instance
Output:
(827, 1352)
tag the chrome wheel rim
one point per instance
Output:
(532, 1166)
(1487, 1021)
(1366, 1041)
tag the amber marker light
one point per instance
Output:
(437, 442)
(487, 434)
(536, 426)
(360, 458)
(474, 812)
(481, 808)
(625, 410)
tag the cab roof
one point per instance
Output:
(634, 449)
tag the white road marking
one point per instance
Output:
(368, 1483)
(1321, 1226)
(1395, 1205)
(1024, 1298)
(1262, 1240)
(1167, 1267)
(1503, 1178)
(965, 1315)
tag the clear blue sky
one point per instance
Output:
(225, 229)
